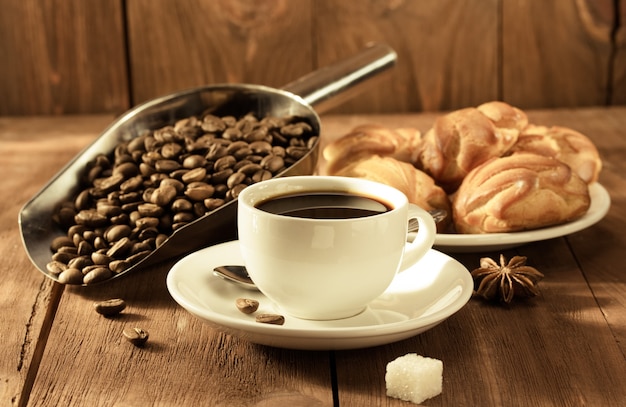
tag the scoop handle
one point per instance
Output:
(322, 87)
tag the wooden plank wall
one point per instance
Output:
(76, 56)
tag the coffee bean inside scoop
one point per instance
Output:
(134, 198)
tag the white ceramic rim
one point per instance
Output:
(600, 204)
(461, 274)
(251, 195)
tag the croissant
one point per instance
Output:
(372, 139)
(564, 144)
(519, 192)
(419, 188)
(463, 139)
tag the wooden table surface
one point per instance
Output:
(566, 347)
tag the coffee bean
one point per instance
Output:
(213, 203)
(194, 175)
(212, 124)
(110, 183)
(166, 165)
(81, 261)
(194, 161)
(235, 179)
(163, 179)
(150, 209)
(171, 150)
(199, 191)
(61, 241)
(272, 163)
(71, 276)
(97, 275)
(250, 169)
(136, 336)
(223, 163)
(101, 259)
(120, 248)
(128, 169)
(83, 200)
(181, 205)
(90, 218)
(109, 308)
(247, 305)
(117, 232)
(296, 129)
(63, 257)
(270, 319)
(296, 152)
(107, 209)
(220, 177)
(163, 195)
(56, 267)
(117, 266)
(261, 175)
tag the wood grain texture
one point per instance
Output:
(618, 92)
(490, 347)
(62, 57)
(31, 146)
(596, 247)
(565, 347)
(73, 56)
(185, 362)
(176, 45)
(556, 54)
(439, 67)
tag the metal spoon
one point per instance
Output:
(239, 274)
(235, 274)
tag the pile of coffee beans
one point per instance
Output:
(133, 199)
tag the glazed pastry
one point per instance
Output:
(463, 139)
(419, 188)
(372, 139)
(519, 192)
(564, 144)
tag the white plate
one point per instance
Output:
(459, 243)
(418, 299)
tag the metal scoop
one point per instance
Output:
(320, 88)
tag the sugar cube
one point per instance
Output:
(414, 378)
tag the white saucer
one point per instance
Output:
(418, 299)
(459, 243)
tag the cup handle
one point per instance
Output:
(415, 250)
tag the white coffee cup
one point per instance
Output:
(325, 269)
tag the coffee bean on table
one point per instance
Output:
(132, 199)
(136, 336)
(109, 308)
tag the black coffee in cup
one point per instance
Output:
(324, 205)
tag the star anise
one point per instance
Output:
(505, 280)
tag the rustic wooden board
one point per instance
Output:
(618, 91)
(564, 345)
(62, 57)
(40, 147)
(556, 54)
(506, 354)
(599, 249)
(447, 50)
(185, 362)
(203, 366)
(74, 56)
(176, 45)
